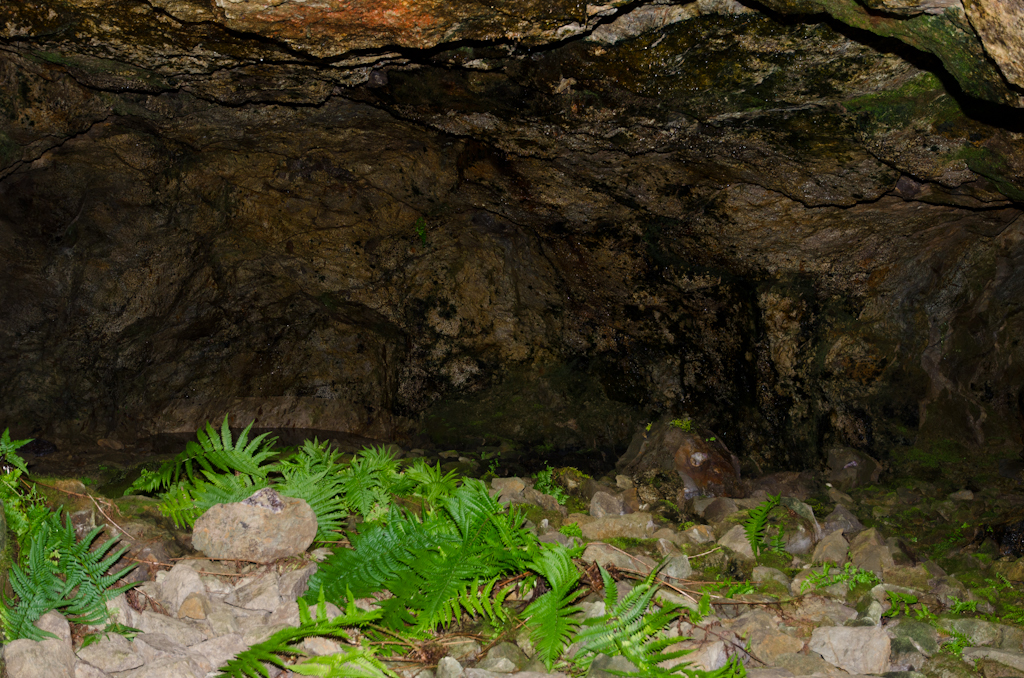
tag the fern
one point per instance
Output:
(179, 505)
(9, 451)
(248, 664)
(629, 629)
(38, 589)
(351, 662)
(312, 476)
(550, 617)
(477, 601)
(89, 573)
(428, 481)
(430, 564)
(223, 488)
(490, 543)
(376, 557)
(62, 573)
(757, 522)
(369, 480)
(214, 454)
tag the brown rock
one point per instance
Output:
(195, 606)
(633, 525)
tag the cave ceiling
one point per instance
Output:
(450, 223)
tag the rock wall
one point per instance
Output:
(797, 232)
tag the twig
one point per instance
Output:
(111, 520)
(168, 565)
(701, 555)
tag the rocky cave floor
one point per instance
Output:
(904, 577)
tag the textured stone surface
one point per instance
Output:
(736, 540)
(112, 653)
(853, 649)
(49, 658)
(603, 504)
(831, 549)
(701, 207)
(255, 533)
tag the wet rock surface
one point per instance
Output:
(547, 223)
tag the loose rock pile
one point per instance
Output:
(196, 616)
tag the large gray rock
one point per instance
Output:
(112, 653)
(632, 525)
(831, 549)
(604, 504)
(736, 540)
(50, 658)
(261, 529)
(181, 582)
(853, 649)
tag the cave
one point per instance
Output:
(454, 225)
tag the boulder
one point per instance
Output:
(853, 649)
(693, 457)
(261, 529)
(604, 504)
(849, 468)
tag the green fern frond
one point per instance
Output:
(378, 556)
(312, 476)
(352, 662)
(428, 565)
(239, 456)
(757, 522)
(427, 597)
(215, 453)
(370, 480)
(248, 664)
(630, 629)
(9, 451)
(430, 483)
(38, 588)
(550, 617)
(90, 573)
(222, 488)
(179, 505)
(478, 601)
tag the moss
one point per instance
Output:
(773, 587)
(774, 559)
(693, 66)
(536, 515)
(633, 545)
(921, 98)
(991, 165)
(946, 35)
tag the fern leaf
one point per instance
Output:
(757, 522)
(369, 479)
(477, 601)
(311, 476)
(38, 587)
(179, 505)
(550, 617)
(628, 629)
(9, 451)
(349, 663)
(239, 456)
(248, 664)
(428, 482)
(377, 556)
(221, 488)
